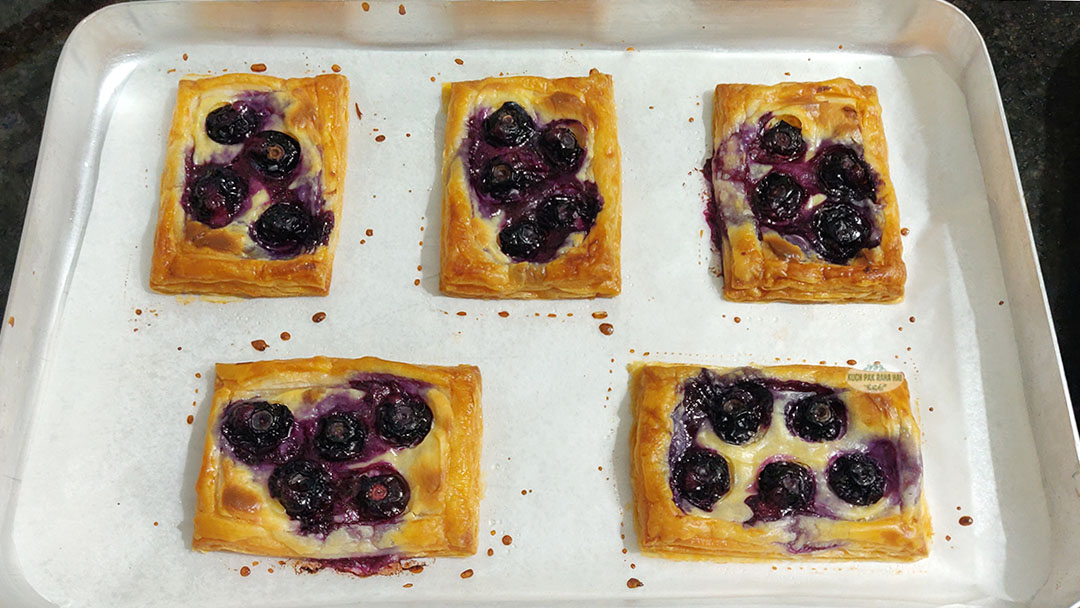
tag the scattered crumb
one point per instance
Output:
(245, 571)
(432, 79)
(369, 232)
(285, 336)
(138, 311)
(255, 563)
(851, 361)
(335, 67)
(155, 523)
(281, 562)
(190, 419)
(599, 315)
(185, 56)
(408, 135)
(493, 532)
(737, 320)
(633, 565)
(401, 9)
(416, 568)
(491, 552)
(359, 114)
(170, 70)
(504, 314)
(259, 345)
(507, 539)
(624, 550)
(599, 468)
(406, 585)
(380, 138)
(365, 6)
(467, 574)
(416, 282)
(1000, 303)
(947, 537)
(966, 520)
(691, 119)
(633, 583)
(318, 317)
(524, 492)
(270, 570)
(607, 329)
(552, 315)
(258, 67)
(198, 375)
(459, 62)
(461, 313)
(840, 47)
(911, 319)
(630, 48)
(787, 73)
(904, 231)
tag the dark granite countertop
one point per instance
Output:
(1035, 47)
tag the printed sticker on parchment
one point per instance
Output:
(874, 378)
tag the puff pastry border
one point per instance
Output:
(179, 266)
(471, 263)
(758, 271)
(664, 530)
(249, 523)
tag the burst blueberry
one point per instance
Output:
(559, 145)
(283, 227)
(255, 429)
(783, 140)
(817, 418)
(844, 175)
(403, 423)
(784, 488)
(231, 123)
(739, 413)
(510, 125)
(340, 436)
(777, 198)
(506, 176)
(568, 211)
(216, 195)
(856, 478)
(703, 477)
(840, 231)
(382, 496)
(273, 153)
(303, 488)
(521, 240)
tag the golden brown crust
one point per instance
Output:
(191, 258)
(883, 532)
(771, 268)
(235, 512)
(472, 264)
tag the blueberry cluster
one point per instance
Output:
(839, 227)
(739, 412)
(315, 475)
(528, 172)
(215, 194)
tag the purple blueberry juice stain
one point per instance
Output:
(295, 220)
(846, 222)
(323, 465)
(526, 170)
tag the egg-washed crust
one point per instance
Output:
(664, 530)
(472, 263)
(236, 513)
(771, 268)
(190, 258)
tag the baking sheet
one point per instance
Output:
(103, 514)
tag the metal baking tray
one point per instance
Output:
(98, 460)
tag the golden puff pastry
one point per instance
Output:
(803, 209)
(787, 462)
(532, 185)
(341, 458)
(251, 195)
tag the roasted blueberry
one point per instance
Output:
(738, 413)
(340, 436)
(844, 175)
(572, 211)
(231, 124)
(303, 487)
(510, 125)
(254, 429)
(703, 477)
(783, 488)
(506, 176)
(840, 231)
(403, 423)
(857, 479)
(783, 140)
(522, 239)
(283, 226)
(777, 198)
(216, 196)
(817, 418)
(273, 153)
(381, 497)
(560, 147)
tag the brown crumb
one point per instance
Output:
(966, 520)
(1000, 303)
(245, 571)
(691, 119)
(607, 329)
(270, 570)
(461, 313)
(198, 375)
(624, 551)
(432, 79)
(552, 315)
(599, 315)
(155, 523)
(601, 468)
(318, 317)
(190, 419)
(416, 568)
(524, 492)
(904, 231)
(406, 586)
(380, 138)
(467, 574)
(737, 320)
(851, 362)
(365, 6)
(911, 319)
(503, 314)
(285, 336)
(493, 533)
(335, 67)
(459, 62)
(369, 232)
(281, 562)
(491, 552)
(185, 56)
(255, 563)
(633, 565)
(507, 539)
(258, 67)
(359, 114)
(634, 583)
(947, 537)
(259, 345)
(416, 282)
(408, 135)
(401, 9)
(787, 73)
(138, 311)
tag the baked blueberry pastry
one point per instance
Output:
(531, 195)
(803, 209)
(341, 458)
(786, 462)
(251, 193)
